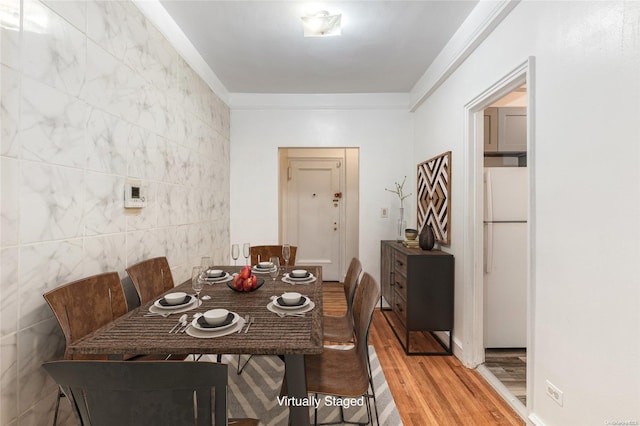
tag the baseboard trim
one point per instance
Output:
(535, 420)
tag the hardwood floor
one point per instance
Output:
(429, 390)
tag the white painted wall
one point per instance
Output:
(587, 196)
(384, 137)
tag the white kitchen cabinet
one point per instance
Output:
(512, 129)
(491, 130)
(505, 130)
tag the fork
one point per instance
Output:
(293, 314)
(154, 314)
(247, 318)
(180, 323)
(251, 321)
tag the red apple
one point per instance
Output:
(238, 283)
(254, 282)
(247, 285)
(245, 272)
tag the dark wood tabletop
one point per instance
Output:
(270, 334)
(293, 337)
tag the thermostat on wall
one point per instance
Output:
(134, 196)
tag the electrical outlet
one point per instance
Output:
(384, 212)
(554, 393)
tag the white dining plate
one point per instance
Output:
(194, 332)
(309, 280)
(182, 308)
(257, 270)
(277, 304)
(189, 300)
(226, 277)
(309, 277)
(276, 309)
(233, 322)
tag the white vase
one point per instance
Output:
(402, 224)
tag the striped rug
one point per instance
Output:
(254, 393)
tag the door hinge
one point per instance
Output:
(288, 173)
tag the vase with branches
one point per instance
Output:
(399, 191)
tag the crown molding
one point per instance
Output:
(484, 18)
(280, 101)
(481, 22)
(160, 18)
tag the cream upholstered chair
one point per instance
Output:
(151, 278)
(159, 393)
(339, 328)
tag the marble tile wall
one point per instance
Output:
(92, 94)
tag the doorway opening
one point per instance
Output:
(318, 206)
(505, 199)
(499, 235)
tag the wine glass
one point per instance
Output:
(286, 254)
(197, 281)
(246, 252)
(275, 269)
(235, 253)
(205, 262)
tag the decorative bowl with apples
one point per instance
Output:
(245, 281)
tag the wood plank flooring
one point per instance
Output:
(510, 367)
(429, 390)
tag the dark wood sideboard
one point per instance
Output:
(418, 286)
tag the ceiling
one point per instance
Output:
(258, 46)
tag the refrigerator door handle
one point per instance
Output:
(488, 199)
(488, 267)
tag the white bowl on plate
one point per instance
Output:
(215, 273)
(265, 265)
(298, 273)
(175, 298)
(215, 316)
(291, 297)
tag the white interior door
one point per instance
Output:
(314, 199)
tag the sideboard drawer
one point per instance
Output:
(400, 264)
(400, 309)
(400, 285)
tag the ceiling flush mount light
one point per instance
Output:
(321, 24)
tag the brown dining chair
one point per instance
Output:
(84, 306)
(263, 254)
(151, 278)
(346, 372)
(339, 328)
(266, 252)
(160, 393)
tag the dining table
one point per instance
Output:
(290, 336)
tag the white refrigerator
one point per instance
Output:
(505, 257)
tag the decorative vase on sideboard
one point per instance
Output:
(402, 224)
(426, 240)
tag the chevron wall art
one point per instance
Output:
(434, 191)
